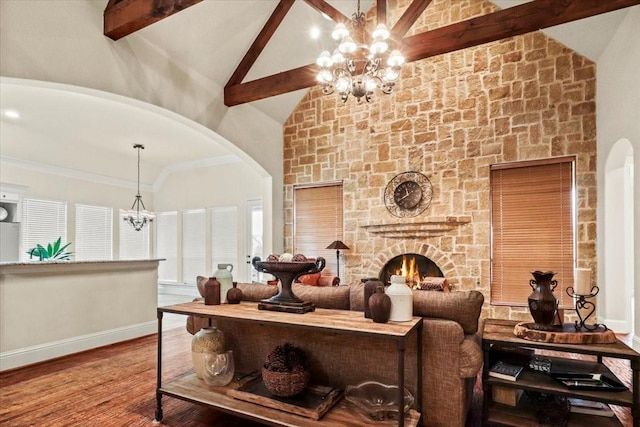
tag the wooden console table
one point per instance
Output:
(499, 334)
(191, 389)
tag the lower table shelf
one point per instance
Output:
(524, 415)
(192, 389)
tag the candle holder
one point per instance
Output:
(582, 303)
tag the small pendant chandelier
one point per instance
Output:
(135, 216)
(357, 68)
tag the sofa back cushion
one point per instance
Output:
(256, 291)
(460, 306)
(335, 297)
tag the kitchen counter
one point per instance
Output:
(52, 308)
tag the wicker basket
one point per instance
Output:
(285, 384)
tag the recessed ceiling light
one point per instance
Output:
(315, 32)
(12, 114)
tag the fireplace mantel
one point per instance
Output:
(430, 228)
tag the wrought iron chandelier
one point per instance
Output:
(357, 68)
(135, 216)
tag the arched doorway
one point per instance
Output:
(617, 302)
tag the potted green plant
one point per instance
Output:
(51, 251)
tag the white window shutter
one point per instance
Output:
(167, 245)
(94, 233)
(43, 221)
(193, 244)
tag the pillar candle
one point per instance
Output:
(582, 281)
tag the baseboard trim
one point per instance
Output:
(178, 289)
(29, 355)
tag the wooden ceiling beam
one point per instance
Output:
(513, 21)
(324, 7)
(124, 17)
(381, 11)
(260, 42)
(409, 17)
(277, 84)
(517, 20)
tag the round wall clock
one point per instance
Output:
(408, 194)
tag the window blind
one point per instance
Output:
(94, 233)
(134, 244)
(167, 245)
(224, 246)
(42, 222)
(317, 222)
(532, 228)
(193, 245)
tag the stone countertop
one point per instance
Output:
(19, 267)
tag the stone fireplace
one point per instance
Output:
(436, 263)
(450, 117)
(415, 267)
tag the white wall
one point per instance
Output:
(62, 41)
(618, 117)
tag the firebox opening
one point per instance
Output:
(414, 267)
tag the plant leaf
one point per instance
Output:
(56, 245)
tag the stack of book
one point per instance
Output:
(580, 406)
(505, 371)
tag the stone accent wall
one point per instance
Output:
(450, 117)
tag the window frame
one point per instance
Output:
(567, 264)
(333, 233)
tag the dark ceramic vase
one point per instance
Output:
(380, 305)
(369, 289)
(543, 305)
(234, 295)
(212, 292)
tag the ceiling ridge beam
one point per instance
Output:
(505, 23)
(381, 11)
(125, 17)
(260, 42)
(471, 32)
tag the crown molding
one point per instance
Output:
(72, 173)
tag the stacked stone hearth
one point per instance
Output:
(450, 117)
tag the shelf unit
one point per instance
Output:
(189, 388)
(498, 334)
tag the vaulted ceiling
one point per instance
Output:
(124, 17)
(260, 51)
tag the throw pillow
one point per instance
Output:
(309, 279)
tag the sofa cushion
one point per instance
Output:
(256, 291)
(461, 306)
(356, 296)
(335, 297)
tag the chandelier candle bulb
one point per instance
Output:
(583, 281)
(359, 64)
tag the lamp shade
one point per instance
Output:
(337, 244)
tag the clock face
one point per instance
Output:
(408, 194)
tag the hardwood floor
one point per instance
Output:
(115, 386)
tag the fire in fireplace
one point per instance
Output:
(415, 267)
